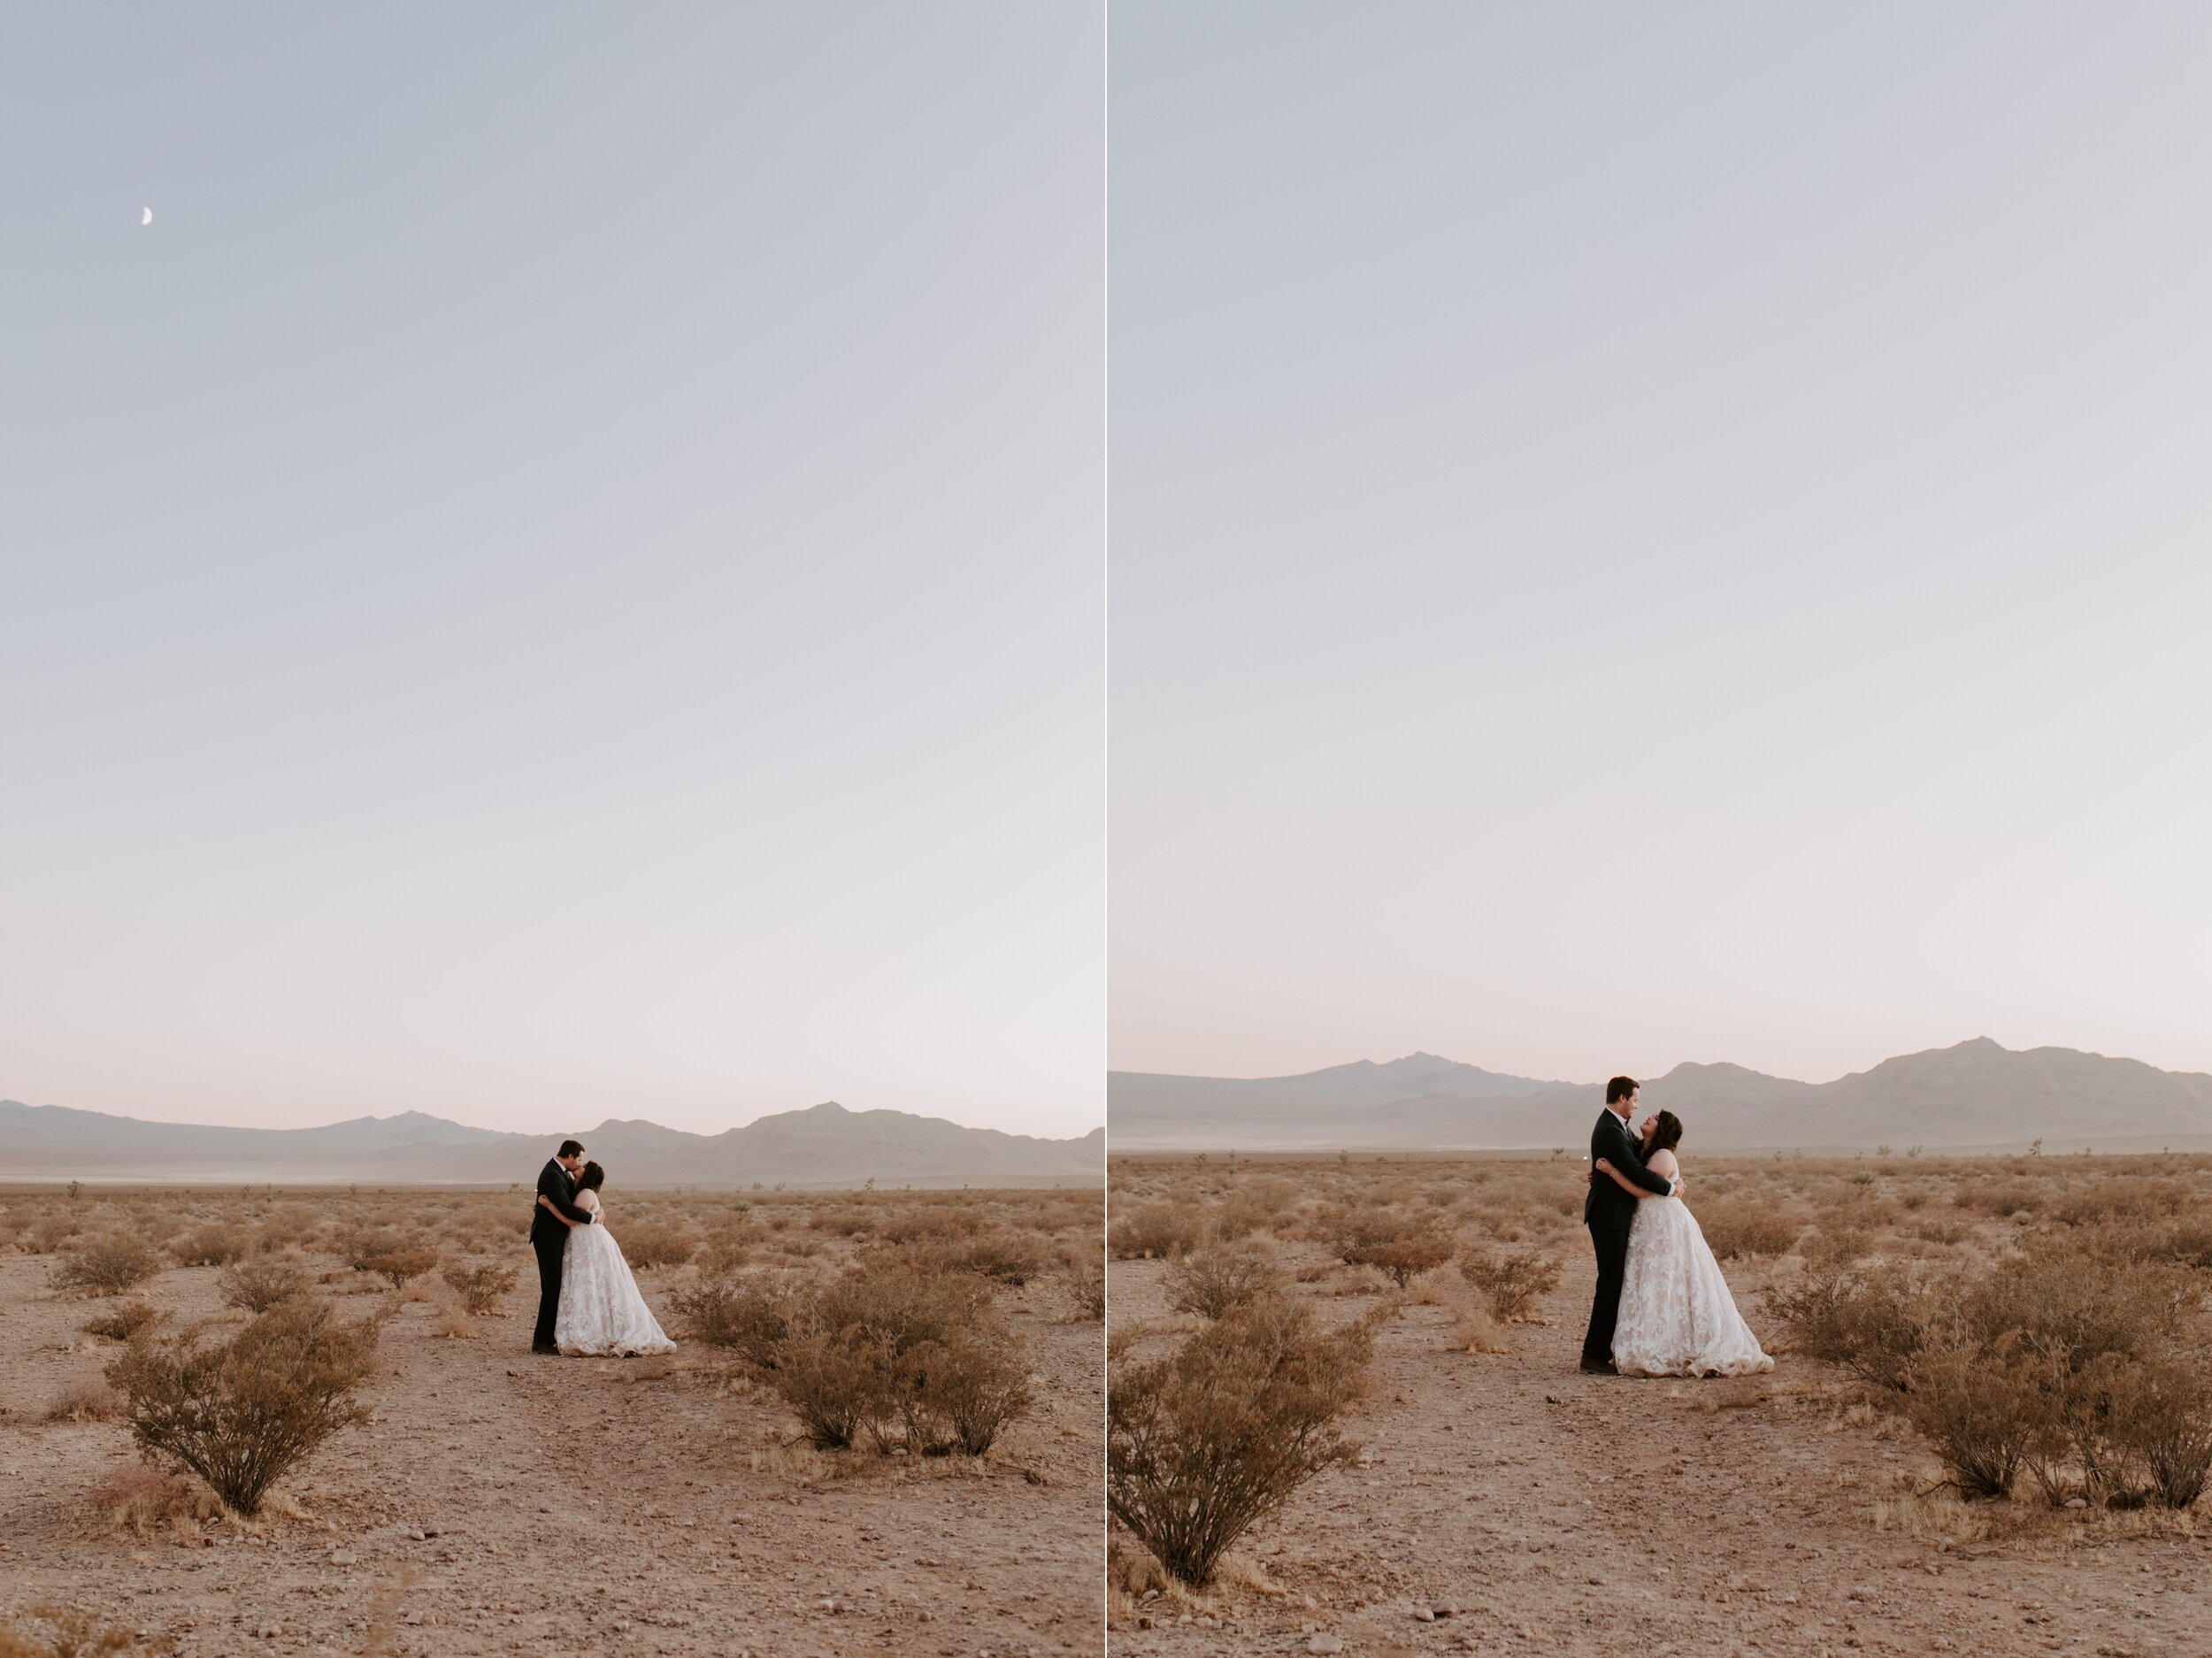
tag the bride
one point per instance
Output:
(601, 1311)
(1676, 1315)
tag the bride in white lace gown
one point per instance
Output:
(601, 1311)
(1676, 1315)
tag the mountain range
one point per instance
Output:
(1977, 1095)
(823, 1145)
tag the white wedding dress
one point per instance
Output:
(601, 1312)
(1676, 1315)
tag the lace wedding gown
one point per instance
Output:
(601, 1311)
(1676, 1315)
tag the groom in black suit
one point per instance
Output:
(549, 1236)
(1608, 1212)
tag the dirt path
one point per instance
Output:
(1508, 1503)
(503, 1502)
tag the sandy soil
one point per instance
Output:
(503, 1502)
(1508, 1503)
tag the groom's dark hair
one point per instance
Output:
(1615, 1091)
(571, 1148)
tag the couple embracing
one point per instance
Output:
(1661, 1306)
(587, 1296)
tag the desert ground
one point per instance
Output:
(499, 1501)
(1502, 1501)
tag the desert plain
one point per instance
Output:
(494, 1500)
(1499, 1500)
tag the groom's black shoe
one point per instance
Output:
(1600, 1367)
(536, 1348)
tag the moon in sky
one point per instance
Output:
(149, 218)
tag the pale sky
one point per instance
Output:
(1648, 533)
(561, 576)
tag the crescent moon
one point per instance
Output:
(149, 218)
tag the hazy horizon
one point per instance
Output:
(1648, 534)
(1647, 1072)
(560, 575)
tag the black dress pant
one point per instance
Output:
(549, 1250)
(1605, 1305)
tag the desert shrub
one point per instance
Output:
(107, 1265)
(834, 1382)
(957, 1393)
(121, 1323)
(907, 1355)
(217, 1245)
(656, 1243)
(1944, 1229)
(1086, 1281)
(1215, 1280)
(68, 1634)
(141, 1499)
(289, 1226)
(1510, 1280)
(1255, 1206)
(1203, 1442)
(1154, 1231)
(999, 1253)
(259, 1285)
(752, 1320)
(88, 1398)
(1999, 1197)
(391, 1255)
(1740, 1229)
(2162, 1414)
(480, 1286)
(1831, 1247)
(1979, 1409)
(2078, 1363)
(1399, 1245)
(240, 1413)
(2121, 1197)
(47, 1233)
(1869, 1323)
(933, 1222)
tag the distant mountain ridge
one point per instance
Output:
(823, 1144)
(1977, 1094)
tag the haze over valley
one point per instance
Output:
(823, 1144)
(1977, 1095)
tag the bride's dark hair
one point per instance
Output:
(1666, 1134)
(593, 1174)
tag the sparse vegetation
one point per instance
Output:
(257, 1284)
(1510, 1280)
(124, 1321)
(217, 1245)
(649, 1243)
(1154, 1231)
(1399, 1244)
(480, 1286)
(1207, 1439)
(57, 1632)
(240, 1413)
(1215, 1281)
(392, 1256)
(2076, 1361)
(108, 1265)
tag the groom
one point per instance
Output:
(1608, 1212)
(549, 1236)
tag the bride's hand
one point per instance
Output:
(1605, 1165)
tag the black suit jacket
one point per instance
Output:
(1607, 1208)
(557, 1183)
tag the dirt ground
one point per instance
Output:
(1507, 1503)
(505, 1502)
